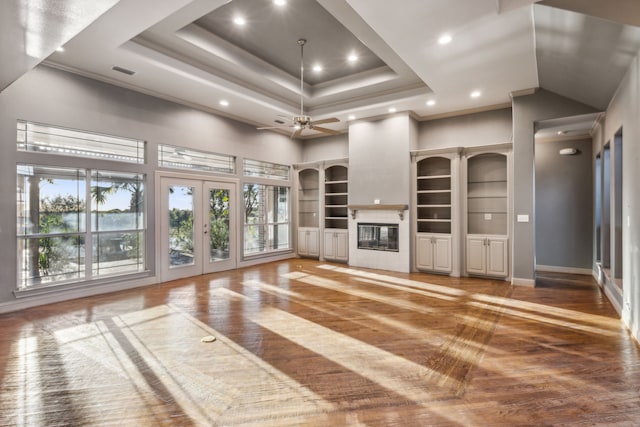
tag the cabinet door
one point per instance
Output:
(424, 252)
(308, 242)
(303, 247)
(341, 242)
(313, 242)
(329, 245)
(442, 254)
(497, 257)
(476, 255)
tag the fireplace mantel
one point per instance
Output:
(378, 207)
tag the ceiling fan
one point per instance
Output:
(301, 122)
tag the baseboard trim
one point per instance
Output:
(516, 281)
(569, 270)
(70, 294)
(613, 297)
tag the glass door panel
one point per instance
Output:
(220, 227)
(197, 227)
(181, 225)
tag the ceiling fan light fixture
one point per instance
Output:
(445, 39)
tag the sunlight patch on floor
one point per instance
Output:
(395, 280)
(413, 381)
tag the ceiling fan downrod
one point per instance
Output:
(301, 43)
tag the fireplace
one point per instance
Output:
(378, 237)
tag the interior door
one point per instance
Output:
(198, 231)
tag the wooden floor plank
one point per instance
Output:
(300, 342)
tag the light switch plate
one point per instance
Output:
(523, 218)
(488, 217)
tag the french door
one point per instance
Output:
(198, 230)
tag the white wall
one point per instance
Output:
(59, 98)
(564, 201)
(379, 160)
(325, 148)
(624, 112)
(486, 128)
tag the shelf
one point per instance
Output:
(487, 212)
(399, 208)
(486, 197)
(433, 191)
(487, 181)
(433, 206)
(336, 217)
(433, 176)
(337, 182)
(336, 194)
(434, 220)
(335, 206)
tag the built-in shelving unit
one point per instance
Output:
(309, 212)
(487, 214)
(435, 203)
(336, 197)
(308, 198)
(433, 185)
(336, 212)
(487, 194)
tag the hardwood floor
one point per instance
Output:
(307, 343)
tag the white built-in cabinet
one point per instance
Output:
(435, 175)
(308, 212)
(487, 255)
(487, 219)
(433, 252)
(308, 242)
(336, 246)
(323, 196)
(461, 210)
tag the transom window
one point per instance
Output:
(41, 138)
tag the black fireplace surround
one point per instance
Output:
(378, 237)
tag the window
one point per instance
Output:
(267, 170)
(39, 138)
(266, 219)
(78, 224)
(184, 158)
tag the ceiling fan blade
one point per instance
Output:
(323, 121)
(297, 133)
(326, 130)
(274, 127)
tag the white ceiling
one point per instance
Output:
(189, 52)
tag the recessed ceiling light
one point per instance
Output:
(60, 49)
(224, 103)
(562, 132)
(317, 68)
(476, 94)
(279, 2)
(445, 39)
(392, 110)
(431, 103)
(239, 20)
(351, 117)
(353, 57)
